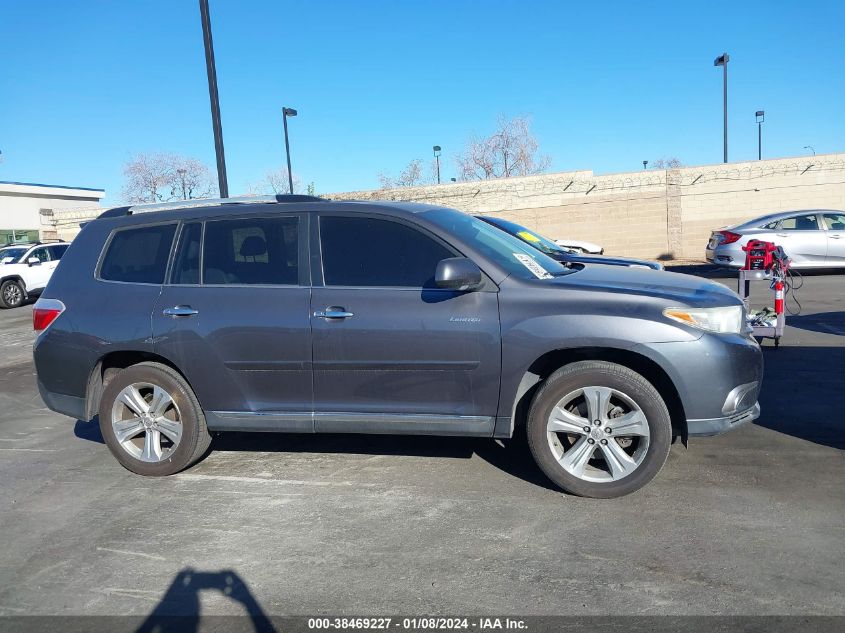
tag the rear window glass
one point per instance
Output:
(138, 255)
(251, 251)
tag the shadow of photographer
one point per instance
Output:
(179, 608)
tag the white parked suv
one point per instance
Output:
(25, 270)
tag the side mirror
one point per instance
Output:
(457, 273)
(33, 261)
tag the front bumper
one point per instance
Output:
(717, 426)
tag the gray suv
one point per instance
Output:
(312, 316)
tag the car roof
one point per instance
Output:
(217, 208)
(780, 215)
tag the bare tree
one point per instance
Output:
(510, 151)
(162, 177)
(667, 163)
(275, 181)
(411, 176)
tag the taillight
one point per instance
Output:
(44, 312)
(729, 237)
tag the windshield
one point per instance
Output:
(528, 236)
(507, 251)
(11, 254)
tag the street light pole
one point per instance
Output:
(810, 147)
(761, 116)
(723, 60)
(211, 70)
(286, 112)
(436, 149)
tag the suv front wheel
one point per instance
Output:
(599, 429)
(151, 420)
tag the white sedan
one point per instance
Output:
(581, 246)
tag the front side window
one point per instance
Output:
(40, 254)
(138, 255)
(261, 251)
(372, 252)
(834, 221)
(11, 255)
(800, 223)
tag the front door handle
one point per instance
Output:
(782, 234)
(180, 311)
(333, 312)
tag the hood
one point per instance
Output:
(605, 259)
(675, 288)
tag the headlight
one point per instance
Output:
(727, 319)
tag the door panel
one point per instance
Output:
(245, 349)
(37, 276)
(406, 351)
(235, 317)
(802, 240)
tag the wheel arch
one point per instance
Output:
(551, 361)
(107, 367)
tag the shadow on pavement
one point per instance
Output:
(179, 608)
(801, 390)
(824, 322)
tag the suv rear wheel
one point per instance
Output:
(151, 420)
(599, 429)
(11, 294)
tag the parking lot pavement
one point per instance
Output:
(752, 522)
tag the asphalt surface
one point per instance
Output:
(752, 522)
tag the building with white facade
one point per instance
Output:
(28, 211)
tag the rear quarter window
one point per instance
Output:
(138, 255)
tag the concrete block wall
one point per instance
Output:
(665, 214)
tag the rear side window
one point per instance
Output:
(261, 251)
(372, 252)
(186, 265)
(57, 251)
(138, 255)
(800, 223)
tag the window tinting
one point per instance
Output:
(800, 223)
(138, 255)
(834, 221)
(370, 252)
(57, 251)
(186, 265)
(251, 251)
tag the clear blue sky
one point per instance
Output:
(84, 85)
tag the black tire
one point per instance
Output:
(583, 374)
(195, 438)
(12, 294)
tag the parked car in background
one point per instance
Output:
(811, 238)
(25, 270)
(297, 314)
(561, 253)
(580, 246)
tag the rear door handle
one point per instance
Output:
(782, 234)
(835, 237)
(180, 311)
(333, 312)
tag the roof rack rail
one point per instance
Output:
(206, 202)
(47, 240)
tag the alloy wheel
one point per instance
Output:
(146, 422)
(598, 434)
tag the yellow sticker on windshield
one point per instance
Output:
(528, 237)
